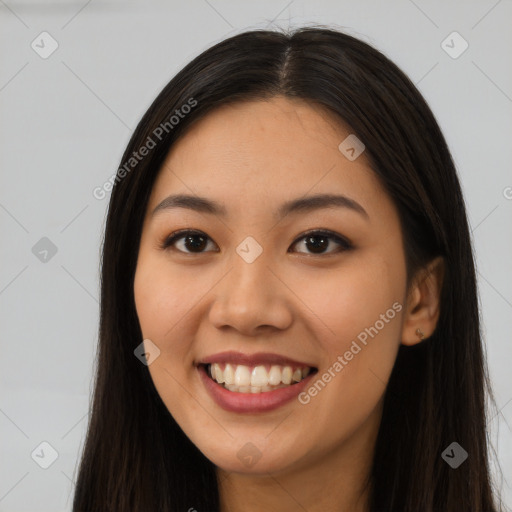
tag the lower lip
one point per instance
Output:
(251, 402)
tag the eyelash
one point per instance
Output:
(343, 242)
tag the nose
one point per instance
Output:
(251, 298)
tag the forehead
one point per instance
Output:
(253, 153)
(265, 132)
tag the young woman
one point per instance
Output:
(289, 312)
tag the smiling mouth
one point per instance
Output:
(240, 378)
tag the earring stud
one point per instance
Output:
(420, 334)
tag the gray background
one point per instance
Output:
(67, 118)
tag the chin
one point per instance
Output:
(249, 457)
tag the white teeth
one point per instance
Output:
(274, 377)
(242, 376)
(259, 376)
(245, 379)
(218, 373)
(229, 374)
(287, 375)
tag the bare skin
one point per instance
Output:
(291, 300)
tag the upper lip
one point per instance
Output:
(259, 358)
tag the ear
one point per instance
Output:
(423, 303)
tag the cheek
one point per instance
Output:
(361, 305)
(160, 307)
(162, 300)
(162, 297)
(353, 299)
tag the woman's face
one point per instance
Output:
(252, 288)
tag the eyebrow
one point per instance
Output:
(303, 204)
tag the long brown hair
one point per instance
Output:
(136, 458)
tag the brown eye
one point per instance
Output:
(316, 242)
(319, 241)
(193, 241)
